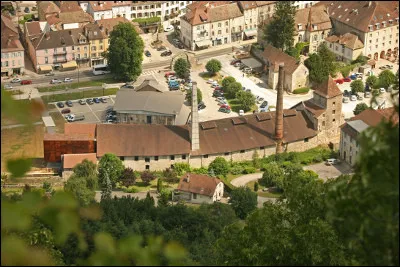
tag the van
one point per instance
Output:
(73, 118)
(332, 161)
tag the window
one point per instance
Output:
(219, 31)
(198, 28)
(55, 50)
(323, 123)
(333, 120)
(94, 48)
(13, 63)
(226, 30)
(46, 51)
(183, 156)
(333, 111)
(156, 158)
(242, 151)
(226, 154)
(101, 47)
(93, 54)
(205, 156)
(172, 157)
(226, 23)
(219, 25)
(85, 48)
(147, 159)
(148, 119)
(261, 147)
(64, 49)
(333, 103)
(121, 158)
(46, 60)
(330, 45)
(194, 196)
(147, 167)
(136, 158)
(251, 21)
(305, 140)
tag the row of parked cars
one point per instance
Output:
(238, 63)
(56, 81)
(19, 80)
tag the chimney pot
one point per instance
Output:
(188, 178)
(279, 111)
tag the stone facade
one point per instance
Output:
(292, 81)
(148, 118)
(198, 198)
(154, 163)
(349, 148)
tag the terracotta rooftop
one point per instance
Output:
(52, 39)
(275, 56)
(328, 88)
(69, 6)
(80, 128)
(33, 28)
(47, 7)
(198, 184)
(75, 17)
(71, 160)
(9, 36)
(311, 107)
(224, 12)
(246, 5)
(208, 11)
(62, 137)
(312, 19)
(361, 14)
(107, 5)
(349, 40)
(107, 25)
(263, 3)
(372, 117)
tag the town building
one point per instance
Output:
(265, 10)
(312, 25)
(47, 9)
(346, 47)
(376, 23)
(296, 74)
(349, 147)
(250, 14)
(12, 51)
(69, 161)
(150, 103)
(97, 44)
(304, 4)
(198, 188)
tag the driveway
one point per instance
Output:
(332, 171)
(243, 180)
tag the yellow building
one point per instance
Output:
(97, 44)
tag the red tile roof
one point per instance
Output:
(315, 15)
(209, 11)
(198, 184)
(373, 117)
(9, 36)
(276, 56)
(70, 6)
(71, 160)
(349, 40)
(33, 27)
(80, 128)
(328, 88)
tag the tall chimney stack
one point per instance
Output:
(194, 135)
(279, 111)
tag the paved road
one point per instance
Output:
(243, 180)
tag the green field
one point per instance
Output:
(78, 95)
(236, 106)
(75, 85)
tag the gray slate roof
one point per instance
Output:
(358, 125)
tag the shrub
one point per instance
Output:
(273, 175)
(131, 189)
(181, 68)
(227, 81)
(181, 168)
(302, 90)
(128, 177)
(346, 70)
(201, 170)
(237, 169)
(220, 166)
(255, 187)
(248, 170)
(232, 89)
(386, 78)
(170, 176)
(357, 86)
(147, 177)
(213, 66)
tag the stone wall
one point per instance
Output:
(298, 79)
(132, 118)
(348, 149)
(162, 163)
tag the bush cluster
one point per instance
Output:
(301, 90)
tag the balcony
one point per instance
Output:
(60, 53)
(59, 60)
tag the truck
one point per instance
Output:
(73, 117)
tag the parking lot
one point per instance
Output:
(166, 39)
(94, 113)
(329, 171)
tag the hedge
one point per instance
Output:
(147, 20)
(301, 90)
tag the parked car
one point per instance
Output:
(8, 86)
(247, 70)
(69, 103)
(16, 80)
(332, 161)
(353, 98)
(233, 62)
(222, 102)
(382, 90)
(49, 74)
(241, 112)
(360, 97)
(248, 90)
(60, 104)
(169, 73)
(65, 111)
(339, 81)
(54, 81)
(68, 80)
(389, 66)
(346, 93)
(220, 98)
(225, 106)
(103, 100)
(224, 110)
(382, 67)
(169, 28)
(260, 100)
(218, 93)
(201, 106)
(237, 64)
(345, 99)
(180, 46)
(215, 85)
(96, 100)
(26, 82)
(367, 94)
(82, 102)
(166, 53)
(161, 48)
(347, 79)
(147, 53)
(264, 104)
(210, 81)
(89, 101)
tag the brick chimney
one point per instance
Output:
(194, 134)
(279, 111)
(188, 178)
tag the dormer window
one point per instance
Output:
(299, 26)
(377, 26)
(371, 27)
(314, 27)
(390, 21)
(384, 23)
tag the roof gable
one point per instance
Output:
(198, 184)
(276, 56)
(328, 88)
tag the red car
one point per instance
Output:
(347, 79)
(225, 106)
(233, 62)
(218, 88)
(167, 74)
(339, 81)
(26, 82)
(65, 111)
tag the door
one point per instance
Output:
(148, 119)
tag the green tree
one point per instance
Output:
(182, 68)
(211, 172)
(189, 96)
(80, 188)
(163, 198)
(48, 187)
(220, 166)
(227, 81)
(213, 66)
(147, 177)
(361, 59)
(321, 64)
(181, 168)
(360, 107)
(232, 89)
(372, 81)
(386, 78)
(111, 165)
(246, 100)
(128, 177)
(243, 201)
(125, 53)
(273, 175)
(297, 50)
(106, 188)
(170, 175)
(159, 186)
(255, 187)
(356, 86)
(88, 170)
(280, 31)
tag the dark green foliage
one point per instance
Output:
(321, 65)
(243, 201)
(147, 177)
(219, 166)
(362, 60)
(272, 176)
(357, 86)
(106, 188)
(87, 169)
(301, 90)
(125, 53)
(128, 177)
(296, 50)
(47, 187)
(280, 31)
(255, 187)
(170, 176)
(232, 89)
(213, 66)
(181, 168)
(236, 169)
(248, 170)
(201, 170)
(80, 187)
(182, 68)
(386, 78)
(164, 197)
(189, 96)
(112, 166)
(227, 81)
(159, 185)
(372, 81)
(246, 100)
(360, 108)
(346, 70)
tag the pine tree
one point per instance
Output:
(106, 189)
(159, 185)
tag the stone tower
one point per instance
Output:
(194, 133)
(279, 111)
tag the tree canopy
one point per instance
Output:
(227, 81)
(243, 201)
(111, 166)
(219, 166)
(280, 31)
(386, 78)
(232, 89)
(360, 107)
(246, 100)
(182, 68)
(321, 64)
(357, 86)
(125, 53)
(213, 66)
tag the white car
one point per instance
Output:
(16, 80)
(68, 80)
(353, 98)
(241, 112)
(55, 81)
(8, 86)
(210, 81)
(169, 28)
(382, 90)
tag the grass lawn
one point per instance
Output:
(216, 77)
(268, 194)
(59, 121)
(140, 186)
(77, 95)
(236, 106)
(75, 85)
